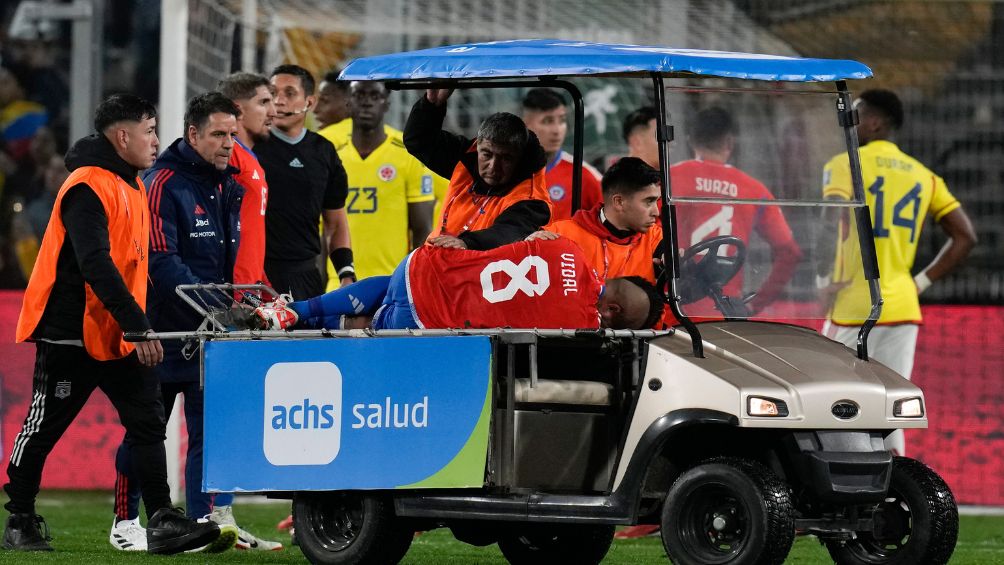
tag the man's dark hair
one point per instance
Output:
(637, 119)
(242, 85)
(331, 77)
(628, 176)
(542, 100)
(505, 129)
(656, 303)
(886, 103)
(204, 105)
(306, 79)
(122, 108)
(711, 126)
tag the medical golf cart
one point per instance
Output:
(734, 431)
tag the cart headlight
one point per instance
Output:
(762, 406)
(908, 408)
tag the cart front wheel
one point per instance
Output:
(918, 523)
(728, 510)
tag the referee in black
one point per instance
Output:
(306, 181)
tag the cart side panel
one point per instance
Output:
(330, 414)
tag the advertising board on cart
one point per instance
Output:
(346, 414)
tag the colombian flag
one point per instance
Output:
(19, 121)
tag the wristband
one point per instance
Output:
(341, 258)
(822, 281)
(922, 281)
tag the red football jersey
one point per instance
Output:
(698, 222)
(528, 284)
(249, 267)
(558, 175)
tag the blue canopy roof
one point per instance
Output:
(527, 58)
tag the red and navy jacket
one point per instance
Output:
(194, 235)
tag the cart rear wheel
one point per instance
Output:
(917, 524)
(550, 543)
(346, 528)
(728, 511)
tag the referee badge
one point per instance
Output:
(63, 390)
(387, 172)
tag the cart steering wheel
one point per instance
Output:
(707, 276)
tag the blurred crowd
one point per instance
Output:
(35, 113)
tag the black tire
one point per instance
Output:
(349, 528)
(552, 544)
(728, 510)
(919, 521)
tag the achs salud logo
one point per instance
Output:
(302, 418)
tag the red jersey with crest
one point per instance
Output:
(558, 175)
(249, 267)
(698, 222)
(528, 284)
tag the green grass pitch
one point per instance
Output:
(79, 523)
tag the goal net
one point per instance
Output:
(321, 35)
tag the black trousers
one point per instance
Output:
(65, 376)
(301, 281)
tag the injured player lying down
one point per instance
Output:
(530, 284)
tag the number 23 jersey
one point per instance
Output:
(381, 187)
(900, 193)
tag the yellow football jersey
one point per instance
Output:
(338, 132)
(900, 193)
(380, 189)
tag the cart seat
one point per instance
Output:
(558, 391)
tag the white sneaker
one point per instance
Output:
(127, 535)
(224, 515)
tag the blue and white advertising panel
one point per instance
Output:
(357, 413)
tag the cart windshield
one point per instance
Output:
(764, 206)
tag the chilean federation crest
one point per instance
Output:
(557, 192)
(63, 390)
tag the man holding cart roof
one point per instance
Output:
(497, 192)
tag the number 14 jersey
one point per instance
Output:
(900, 193)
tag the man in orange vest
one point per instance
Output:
(621, 235)
(87, 288)
(497, 192)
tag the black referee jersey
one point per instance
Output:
(304, 177)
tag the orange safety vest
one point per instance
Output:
(610, 257)
(129, 238)
(465, 210)
(613, 259)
